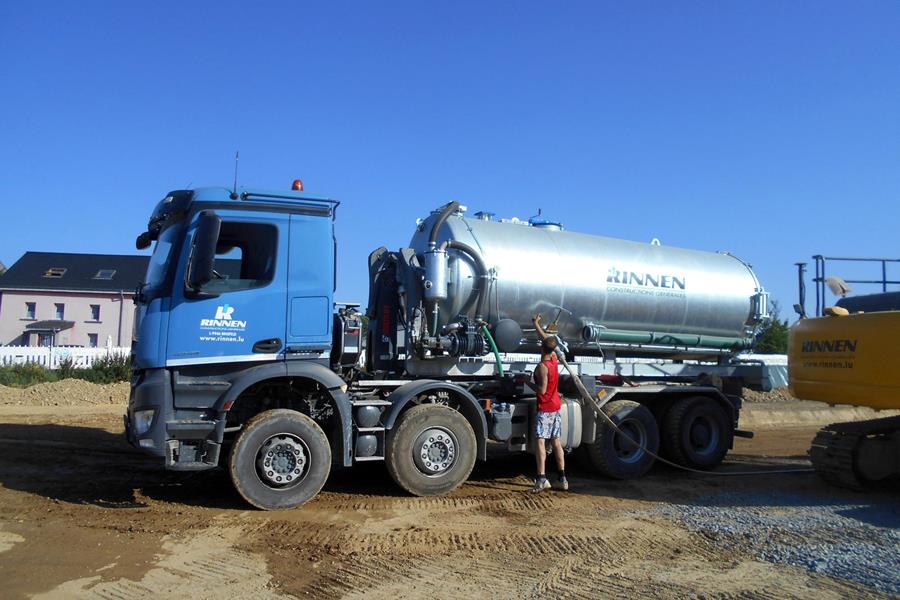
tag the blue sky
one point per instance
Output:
(771, 130)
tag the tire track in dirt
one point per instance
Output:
(510, 500)
(556, 559)
(201, 565)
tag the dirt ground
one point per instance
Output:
(82, 514)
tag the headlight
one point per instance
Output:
(142, 421)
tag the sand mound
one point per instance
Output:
(68, 392)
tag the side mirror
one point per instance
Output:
(203, 251)
(143, 241)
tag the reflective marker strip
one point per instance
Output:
(180, 362)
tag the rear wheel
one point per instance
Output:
(622, 453)
(431, 450)
(281, 459)
(697, 432)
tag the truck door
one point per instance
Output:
(239, 314)
(311, 286)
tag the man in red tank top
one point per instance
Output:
(547, 421)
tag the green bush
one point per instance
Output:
(66, 369)
(109, 369)
(24, 375)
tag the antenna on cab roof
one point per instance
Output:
(234, 194)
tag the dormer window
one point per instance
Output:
(106, 274)
(55, 272)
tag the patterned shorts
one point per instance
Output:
(547, 425)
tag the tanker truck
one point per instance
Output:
(243, 360)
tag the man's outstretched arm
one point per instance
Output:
(537, 327)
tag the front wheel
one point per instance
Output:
(621, 452)
(281, 459)
(431, 450)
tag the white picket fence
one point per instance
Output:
(82, 358)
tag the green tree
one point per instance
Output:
(773, 337)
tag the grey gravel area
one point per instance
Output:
(858, 542)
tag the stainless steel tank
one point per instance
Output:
(608, 291)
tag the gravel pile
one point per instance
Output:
(856, 542)
(781, 394)
(68, 392)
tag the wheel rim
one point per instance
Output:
(625, 450)
(434, 451)
(282, 461)
(703, 435)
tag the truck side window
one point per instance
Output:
(245, 257)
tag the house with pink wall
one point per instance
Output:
(65, 299)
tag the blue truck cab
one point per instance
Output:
(237, 302)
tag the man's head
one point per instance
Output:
(548, 345)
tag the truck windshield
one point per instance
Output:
(157, 278)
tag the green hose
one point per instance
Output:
(490, 339)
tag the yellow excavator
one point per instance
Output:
(850, 354)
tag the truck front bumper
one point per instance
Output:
(151, 390)
(187, 440)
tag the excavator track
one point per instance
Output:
(832, 455)
(834, 451)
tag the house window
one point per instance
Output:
(105, 274)
(55, 272)
(45, 339)
(60, 311)
(95, 312)
(92, 340)
(30, 310)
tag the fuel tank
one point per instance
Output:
(606, 292)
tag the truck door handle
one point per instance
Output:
(267, 346)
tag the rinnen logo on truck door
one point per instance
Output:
(224, 319)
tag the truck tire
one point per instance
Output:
(431, 450)
(696, 432)
(280, 459)
(612, 453)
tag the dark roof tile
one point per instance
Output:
(80, 272)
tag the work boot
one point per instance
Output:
(563, 483)
(540, 484)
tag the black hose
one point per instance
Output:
(479, 286)
(445, 214)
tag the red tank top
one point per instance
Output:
(549, 400)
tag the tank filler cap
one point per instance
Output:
(545, 224)
(538, 221)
